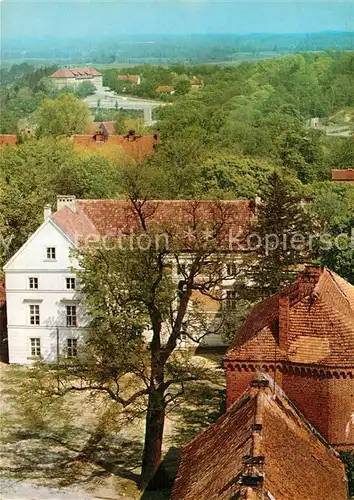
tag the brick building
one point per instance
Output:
(303, 336)
(262, 448)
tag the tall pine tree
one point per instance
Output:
(281, 238)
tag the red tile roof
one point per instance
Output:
(196, 81)
(78, 73)
(8, 140)
(110, 218)
(129, 78)
(262, 446)
(139, 149)
(343, 175)
(165, 89)
(319, 328)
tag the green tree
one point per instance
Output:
(347, 458)
(280, 237)
(182, 87)
(85, 89)
(65, 115)
(133, 292)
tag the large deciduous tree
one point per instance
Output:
(144, 291)
(65, 115)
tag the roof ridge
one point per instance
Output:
(332, 274)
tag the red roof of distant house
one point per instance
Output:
(8, 140)
(112, 218)
(262, 447)
(343, 175)
(320, 324)
(196, 81)
(139, 149)
(79, 73)
(167, 89)
(129, 78)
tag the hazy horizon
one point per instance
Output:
(79, 19)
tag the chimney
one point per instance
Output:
(257, 203)
(66, 200)
(283, 322)
(47, 212)
(311, 274)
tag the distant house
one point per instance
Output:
(72, 77)
(107, 128)
(130, 79)
(8, 140)
(343, 175)
(196, 83)
(313, 122)
(165, 89)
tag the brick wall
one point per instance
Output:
(236, 383)
(327, 403)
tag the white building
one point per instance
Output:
(72, 77)
(46, 317)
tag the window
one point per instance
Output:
(33, 283)
(71, 316)
(231, 269)
(51, 253)
(230, 301)
(70, 283)
(72, 348)
(34, 314)
(35, 347)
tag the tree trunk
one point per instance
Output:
(154, 426)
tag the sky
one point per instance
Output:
(81, 18)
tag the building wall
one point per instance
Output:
(74, 82)
(327, 403)
(51, 296)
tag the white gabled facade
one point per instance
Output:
(44, 313)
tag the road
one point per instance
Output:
(108, 99)
(24, 490)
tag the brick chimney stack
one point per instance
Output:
(283, 322)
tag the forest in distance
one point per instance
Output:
(170, 48)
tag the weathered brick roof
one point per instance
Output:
(320, 326)
(112, 218)
(262, 439)
(75, 73)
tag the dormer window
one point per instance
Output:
(51, 253)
